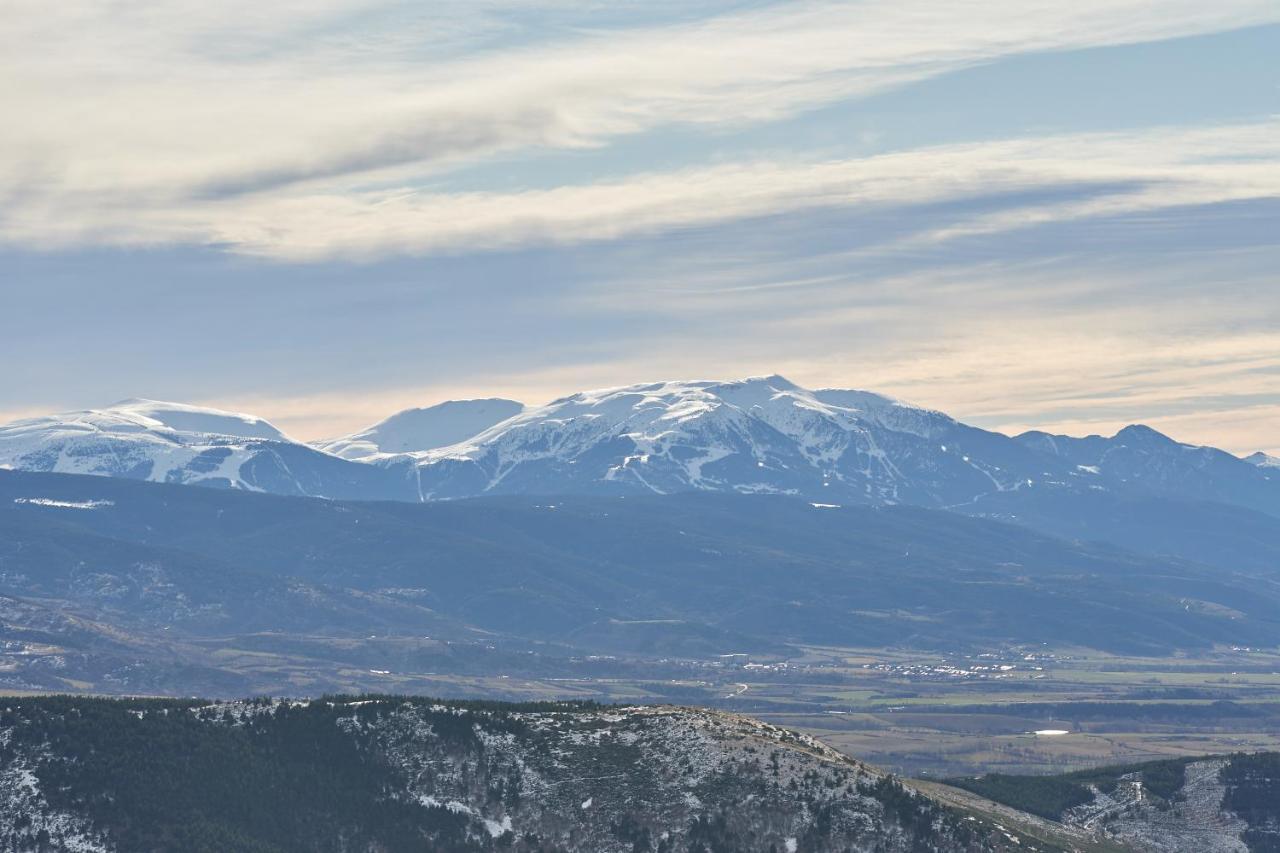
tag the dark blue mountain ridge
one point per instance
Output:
(718, 572)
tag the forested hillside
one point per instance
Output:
(396, 774)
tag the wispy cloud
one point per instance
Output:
(1122, 173)
(173, 111)
(1071, 345)
(1023, 281)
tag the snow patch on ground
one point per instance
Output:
(1194, 822)
(64, 504)
(497, 829)
(25, 811)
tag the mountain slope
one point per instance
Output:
(1233, 537)
(1140, 461)
(692, 575)
(398, 774)
(759, 435)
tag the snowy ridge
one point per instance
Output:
(653, 415)
(761, 434)
(1143, 460)
(144, 439)
(178, 443)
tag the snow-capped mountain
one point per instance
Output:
(142, 439)
(756, 435)
(415, 430)
(177, 443)
(762, 434)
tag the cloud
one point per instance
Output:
(1179, 336)
(1069, 344)
(1017, 282)
(1041, 180)
(176, 110)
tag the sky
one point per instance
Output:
(1027, 214)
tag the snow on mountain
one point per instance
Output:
(758, 435)
(178, 443)
(415, 430)
(762, 434)
(1141, 460)
(1263, 460)
(143, 439)
(201, 420)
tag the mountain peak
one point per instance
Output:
(1143, 434)
(179, 417)
(757, 434)
(1263, 460)
(156, 440)
(423, 429)
(773, 380)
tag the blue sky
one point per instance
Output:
(1023, 213)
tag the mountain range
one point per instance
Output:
(757, 435)
(1138, 489)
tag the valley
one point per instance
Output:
(914, 713)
